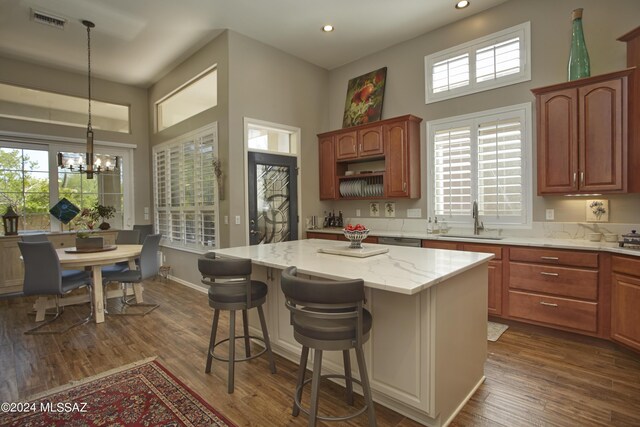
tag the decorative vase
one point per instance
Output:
(89, 243)
(579, 66)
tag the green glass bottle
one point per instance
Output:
(579, 66)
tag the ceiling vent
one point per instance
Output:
(48, 19)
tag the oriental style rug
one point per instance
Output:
(494, 330)
(144, 394)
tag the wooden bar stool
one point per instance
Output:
(328, 316)
(231, 288)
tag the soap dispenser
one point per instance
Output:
(429, 226)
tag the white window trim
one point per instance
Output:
(522, 30)
(213, 127)
(297, 132)
(54, 144)
(524, 110)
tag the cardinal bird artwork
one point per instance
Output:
(364, 98)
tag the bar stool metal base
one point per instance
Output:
(244, 359)
(298, 404)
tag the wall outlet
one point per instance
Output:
(357, 212)
(550, 214)
(237, 219)
(226, 219)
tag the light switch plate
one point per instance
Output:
(226, 219)
(550, 214)
(237, 219)
(357, 212)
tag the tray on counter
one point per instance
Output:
(358, 253)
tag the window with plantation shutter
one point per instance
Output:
(484, 157)
(185, 189)
(497, 60)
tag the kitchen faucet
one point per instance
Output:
(477, 225)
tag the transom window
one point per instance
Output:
(484, 157)
(186, 191)
(499, 59)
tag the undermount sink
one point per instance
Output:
(469, 236)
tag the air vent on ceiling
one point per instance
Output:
(48, 19)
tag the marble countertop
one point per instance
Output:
(402, 270)
(575, 244)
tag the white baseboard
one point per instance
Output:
(189, 284)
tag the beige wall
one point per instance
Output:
(603, 22)
(268, 84)
(35, 76)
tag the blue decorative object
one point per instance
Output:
(64, 211)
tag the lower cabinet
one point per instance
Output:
(556, 288)
(625, 301)
(495, 268)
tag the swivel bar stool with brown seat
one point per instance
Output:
(328, 316)
(231, 288)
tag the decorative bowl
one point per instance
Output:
(356, 237)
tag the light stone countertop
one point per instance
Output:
(402, 270)
(575, 244)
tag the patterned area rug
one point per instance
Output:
(494, 330)
(143, 394)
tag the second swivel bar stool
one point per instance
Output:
(231, 288)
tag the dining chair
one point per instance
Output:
(144, 229)
(147, 267)
(43, 275)
(124, 237)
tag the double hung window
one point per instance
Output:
(185, 187)
(483, 157)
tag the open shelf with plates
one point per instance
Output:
(374, 161)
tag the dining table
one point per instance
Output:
(73, 259)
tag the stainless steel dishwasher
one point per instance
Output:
(400, 241)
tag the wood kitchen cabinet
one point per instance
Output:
(582, 131)
(625, 301)
(385, 156)
(327, 167)
(557, 288)
(361, 143)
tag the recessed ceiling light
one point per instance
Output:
(462, 4)
(327, 28)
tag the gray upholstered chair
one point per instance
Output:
(43, 275)
(328, 315)
(148, 267)
(124, 237)
(145, 230)
(231, 288)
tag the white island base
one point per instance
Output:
(428, 344)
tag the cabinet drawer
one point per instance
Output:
(570, 282)
(489, 249)
(554, 256)
(630, 266)
(568, 313)
(434, 244)
(323, 236)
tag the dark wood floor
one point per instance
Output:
(535, 376)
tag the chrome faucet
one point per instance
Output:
(477, 225)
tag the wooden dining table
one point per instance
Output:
(71, 260)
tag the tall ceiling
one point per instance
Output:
(137, 41)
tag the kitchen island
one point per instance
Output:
(428, 344)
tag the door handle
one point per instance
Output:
(581, 178)
(548, 304)
(550, 258)
(575, 178)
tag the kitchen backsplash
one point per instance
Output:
(551, 230)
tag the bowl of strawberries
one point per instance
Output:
(355, 234)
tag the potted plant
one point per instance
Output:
(87, 221)
(105, 213)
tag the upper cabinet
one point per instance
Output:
(589, 133)
(582, 129)
(373, 161)
(361, 143)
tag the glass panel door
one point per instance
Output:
(273, 204)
